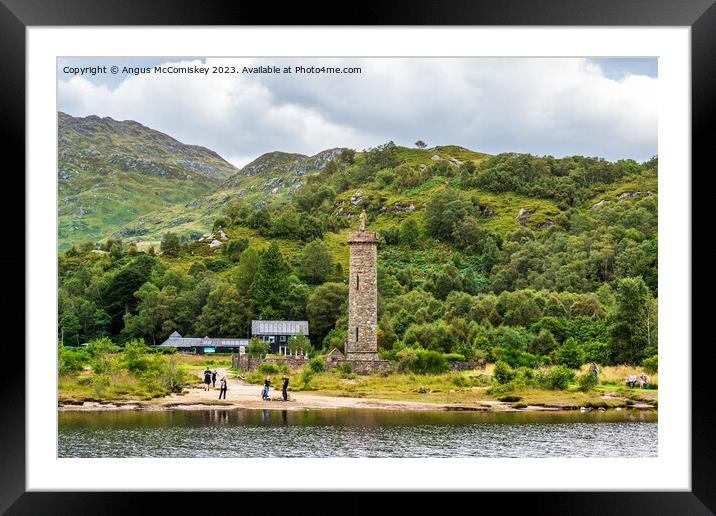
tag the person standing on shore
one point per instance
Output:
(284, 389)
(267, 384)
(207, 378)
(223, 388)
(213, 379)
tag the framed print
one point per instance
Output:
(423, 252)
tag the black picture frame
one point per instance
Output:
(17, 15)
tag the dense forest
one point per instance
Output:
(512, 257)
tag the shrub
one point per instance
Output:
(174, 377)
(218, 264)
(466, 350)
(587, 381)
(71, 361)
(454, 357)
(503, 373)
(306, 377)
(219, 223)
(316, 365)
(391, 235)
(406, 359)
(233, 248)
(101, 346)
(344, 369)
(421, 361)
(134, 357)
(431, 362)
(651, 364)
(384, 178)
(105, 364)
(479, 354)
(524, 374)
(150, 381)
(499, 390)
(268, 368)
(459, 380)
(164, 351)
(100, 382)
(516, 358)
(255, 377)
(556, 378)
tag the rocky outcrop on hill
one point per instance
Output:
(399, 207)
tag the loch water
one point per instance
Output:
(356, 433)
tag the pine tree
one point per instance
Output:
(316, 263)
(270, 283)
(629, 328)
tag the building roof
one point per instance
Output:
(279, 327)
(175, 340)
(335, 354)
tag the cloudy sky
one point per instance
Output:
(556, 106)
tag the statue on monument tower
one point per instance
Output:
(362, 218)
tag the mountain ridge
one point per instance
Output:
(110, 172)
(194, 202)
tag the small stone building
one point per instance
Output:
(334, 356)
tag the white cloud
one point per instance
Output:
(542, 106)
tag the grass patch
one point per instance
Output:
(464, 387)
(119, 387)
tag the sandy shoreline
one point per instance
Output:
(241, 395)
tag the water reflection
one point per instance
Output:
(357, 433)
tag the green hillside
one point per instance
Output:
(513, 257)
(111, 172)
(272, 177)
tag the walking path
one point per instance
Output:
(245, 395)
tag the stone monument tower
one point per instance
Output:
(362, 340)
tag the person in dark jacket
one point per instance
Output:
(213, 379)
(207, 378)
(223, 387)
(284, 389)
(265, 391)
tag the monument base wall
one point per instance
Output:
(363, 366)
(362, 355)
(359, 366)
